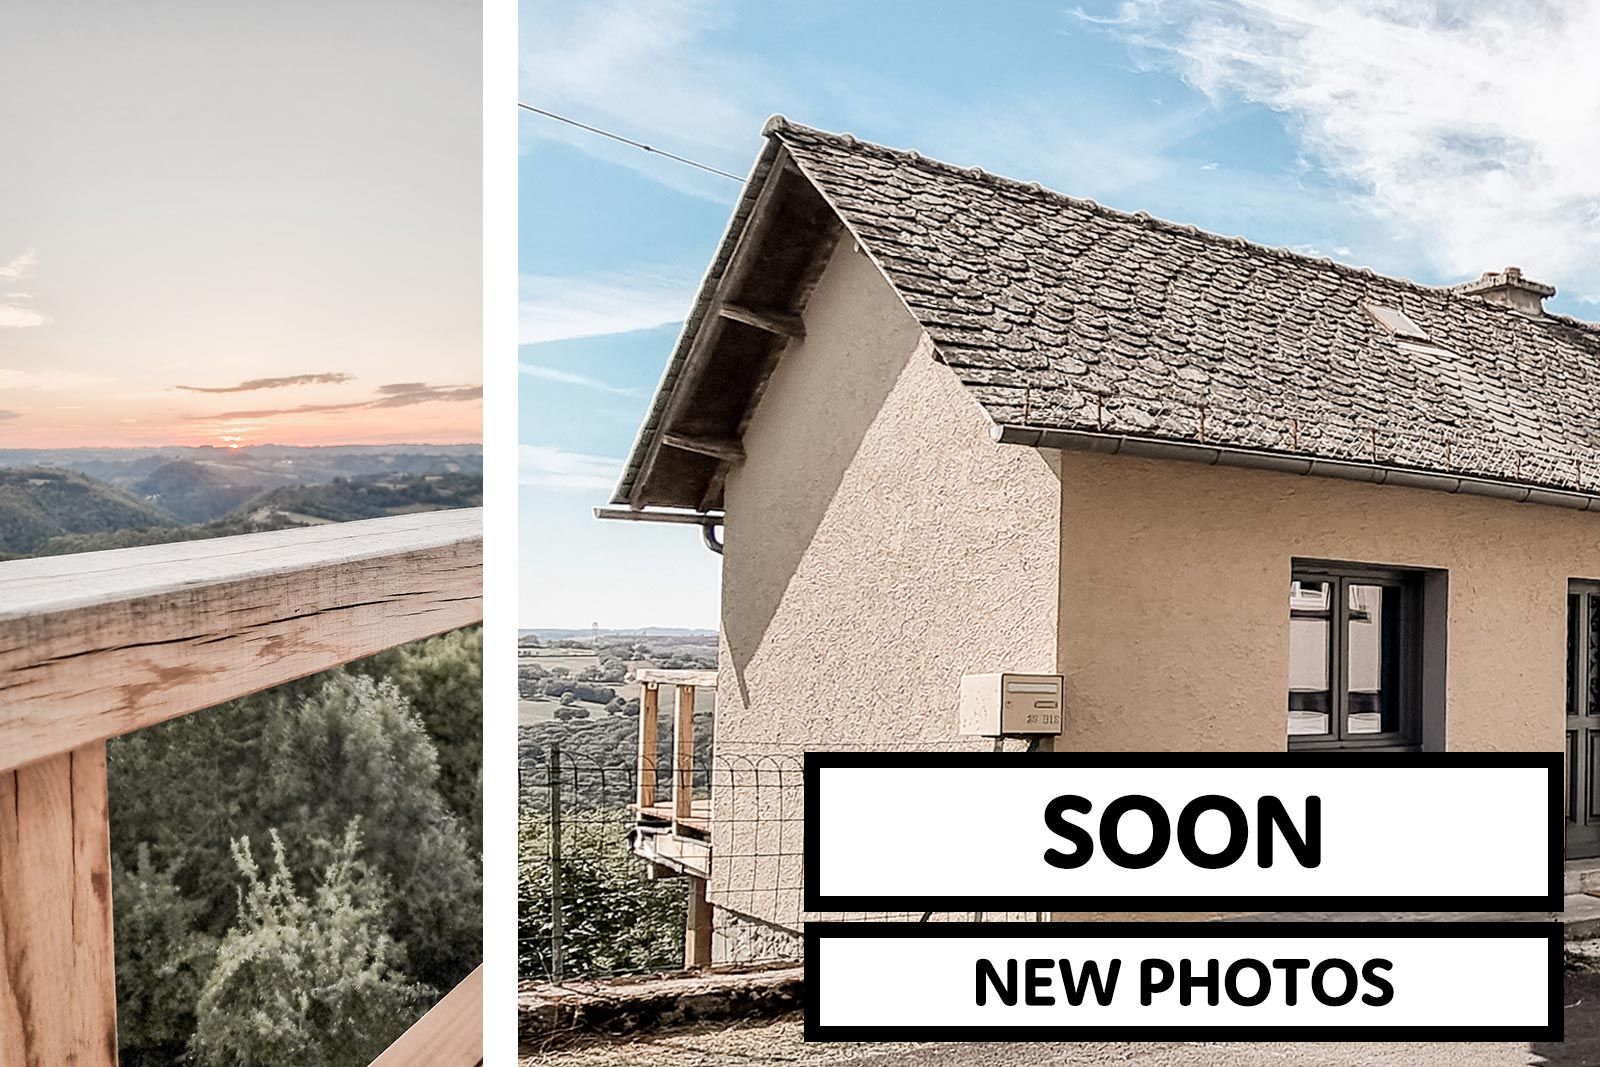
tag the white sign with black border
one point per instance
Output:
(1336, 831)
(1308, 981)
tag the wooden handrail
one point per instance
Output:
(702, 679)
(449, 1035)
(100, 643)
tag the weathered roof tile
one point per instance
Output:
(1066, 298)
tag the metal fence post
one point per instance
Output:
(553, 779)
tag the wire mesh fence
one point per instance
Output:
(588, 906)
(605, 881)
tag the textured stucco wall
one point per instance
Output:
(878, 546)
(1175, 623)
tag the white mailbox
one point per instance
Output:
(1011, 705)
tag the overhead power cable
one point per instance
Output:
(627, 141)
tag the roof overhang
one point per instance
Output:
(1290, 463)
(745, 314)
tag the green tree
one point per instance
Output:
(443, 680)
(355, 748)
(614, 919)
(304, 760)
(163, 957)
(306, 977)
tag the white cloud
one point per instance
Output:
(14, 310)
(554, 308)
(53, 381)
(549, 467)
(583, 381)
(21, 266)
(17, 317)
(1467, 128)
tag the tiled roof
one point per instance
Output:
(1058, 313)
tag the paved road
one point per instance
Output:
(778, 1042)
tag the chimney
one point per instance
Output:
(1509, 288)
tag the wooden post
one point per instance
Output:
(683, 755)
(649, 706)
(697, 930)
(58, 994)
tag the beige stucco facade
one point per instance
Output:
(878, 546)
(1175, 585)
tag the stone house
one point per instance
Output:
(1241, 498)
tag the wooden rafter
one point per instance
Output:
(726, 450)
(783, 323)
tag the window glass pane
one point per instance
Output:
(1592, 666)
(1310, 631)
(1373, 674)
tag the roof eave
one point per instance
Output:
(1219, 455)
(647, 439)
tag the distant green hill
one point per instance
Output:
(368, 497)
(38, 503)
(291, 505)
(200, 492)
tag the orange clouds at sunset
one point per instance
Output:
(79, 410)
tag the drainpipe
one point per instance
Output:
(708, 534)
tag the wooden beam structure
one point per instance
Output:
(728, 451)
(58, 992)
(659, 676)
(697, 927)
(449, 1035)
(783, 323)
(649, 710)
(682, 754)
(101, 643)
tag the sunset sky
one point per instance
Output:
(263, 228)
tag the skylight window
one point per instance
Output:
(1394, 320)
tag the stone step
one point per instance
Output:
(1580, 916)
(1581, 876)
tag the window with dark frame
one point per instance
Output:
(1355, 657)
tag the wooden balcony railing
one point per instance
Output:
(675, 837)
(103, 643)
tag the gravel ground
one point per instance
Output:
(778, 1042)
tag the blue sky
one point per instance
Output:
(1432, 140)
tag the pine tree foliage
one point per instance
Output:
(163, 957)
(442, 678)
(306, 977)
(297, 765)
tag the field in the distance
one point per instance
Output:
(543, 709)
